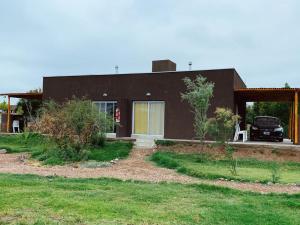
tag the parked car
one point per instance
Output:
(266, 128)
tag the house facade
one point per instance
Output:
(148, 103)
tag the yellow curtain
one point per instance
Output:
(140, 118)
(156, 125)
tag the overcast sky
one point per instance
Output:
(260, 38)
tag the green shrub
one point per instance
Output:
(98, 140)
(221, 127)
(74, 126)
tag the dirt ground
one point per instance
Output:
(136, 167)
(267, 153)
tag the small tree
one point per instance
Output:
(275, 172)
(198, 95)
(3, 106)
(222, 128)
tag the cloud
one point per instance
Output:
(53, 37)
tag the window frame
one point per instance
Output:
(148, 112)
(115, 105)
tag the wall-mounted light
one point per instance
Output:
(148, 94)
(104, 94)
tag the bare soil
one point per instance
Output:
(136, 167)
(266, 153)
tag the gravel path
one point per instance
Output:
(133, 168)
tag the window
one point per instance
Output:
(148, 117)
(109, 108)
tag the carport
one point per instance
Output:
(242, 96)
(31, 95)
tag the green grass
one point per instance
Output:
(44, 150)
(111, 150)
(28, 199)
(26, 142)
(204, 166)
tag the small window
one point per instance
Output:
(109, 108)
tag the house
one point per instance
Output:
(149, 103)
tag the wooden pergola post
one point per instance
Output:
(296, 114)
(8, 115)
(290, 134)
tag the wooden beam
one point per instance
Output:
(296, 118)
(8, 115)
(290, 133)
(293, 121)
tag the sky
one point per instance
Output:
(260, 39)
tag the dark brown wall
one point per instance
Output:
(125, 88)
(240, 105)
(163, 65)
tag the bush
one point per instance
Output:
(73, 126)
(222, 126)
(98, 140)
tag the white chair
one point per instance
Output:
(16, 126)
(238, 131)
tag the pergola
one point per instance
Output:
(274, 95)
(33, 95)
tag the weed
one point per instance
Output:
(275, 172)
(232, 161)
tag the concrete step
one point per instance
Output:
(144, 143)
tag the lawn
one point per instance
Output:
(22, 143)
(28, 199)
(38, 146)
(204, 166)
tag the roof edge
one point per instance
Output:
(143, 73)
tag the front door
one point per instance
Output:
(148, 118)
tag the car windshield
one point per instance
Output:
(266, 121)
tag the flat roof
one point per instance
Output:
(24, 95)
(136, 73)
(266, 94)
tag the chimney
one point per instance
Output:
(163, 65)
